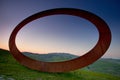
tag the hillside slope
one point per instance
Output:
(10, 68)
(111, 66)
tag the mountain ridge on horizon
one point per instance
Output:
(51, 57)
(58, 52)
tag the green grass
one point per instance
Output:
(9, 67)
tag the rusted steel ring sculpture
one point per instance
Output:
(80, 62)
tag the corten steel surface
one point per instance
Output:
(82, 61)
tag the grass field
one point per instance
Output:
(10, 68)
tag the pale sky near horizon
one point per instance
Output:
(59, 33)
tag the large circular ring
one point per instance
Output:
(80, 62)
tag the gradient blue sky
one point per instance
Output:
(59, 33)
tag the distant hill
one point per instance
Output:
(103, 69)
(51, 57)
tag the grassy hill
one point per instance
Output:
(10, 69)
(103, 65)
(110, 66)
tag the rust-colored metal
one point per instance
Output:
(80, 62)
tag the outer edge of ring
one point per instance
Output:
(82, 61)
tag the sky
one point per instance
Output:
(59, 33)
